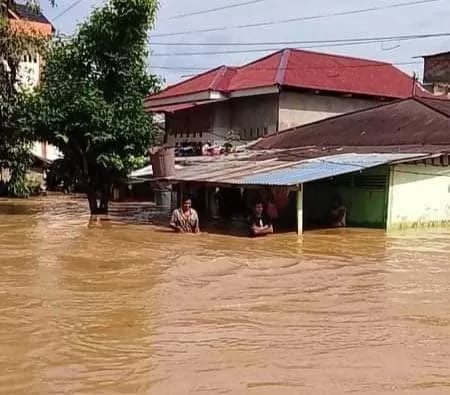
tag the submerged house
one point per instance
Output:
(389, 164)
(283, 90)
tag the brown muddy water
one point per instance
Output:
(122, 307)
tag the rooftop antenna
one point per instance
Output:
(414, 84)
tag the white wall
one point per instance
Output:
(302, 108)
(29, 74)
(45, 150)
(419, 196)
(29, 70)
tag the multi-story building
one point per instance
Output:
(285, 89)
(436, 76)
(25, 19)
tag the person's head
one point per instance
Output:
(336, 201)
(259, 208)
(187, 203)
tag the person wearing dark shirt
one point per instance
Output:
(260, 223)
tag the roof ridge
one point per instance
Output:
(422, 101)
(261, 59)
(218, 77)
(281, 72)
(341, 56)
(149, 97)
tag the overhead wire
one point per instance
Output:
(216, 9)
(271, 49)
(298, 42)
(379, 64)
(298, 19)
(66, 10)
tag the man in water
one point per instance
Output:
(185, 219)
(338, 213)
(260, 223)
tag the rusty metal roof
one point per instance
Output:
(280, 173)
(405, 122)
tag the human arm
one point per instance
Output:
(174, 223)
(197, 224)
(265, 229)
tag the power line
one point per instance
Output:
(291, 68)
(298, 19)
(271, 49)
(289, 43)
(216, 9)
(66, 10)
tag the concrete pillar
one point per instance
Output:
(163, 197)
(300, 211)
(212, 204)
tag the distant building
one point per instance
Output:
(24, 19)
(436, 76)
(285, 89)
(389, 164)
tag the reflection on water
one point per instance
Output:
(121, 307)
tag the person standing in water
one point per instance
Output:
(260, 223)
(338, 213)
(185, 219)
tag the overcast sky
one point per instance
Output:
(433, 17)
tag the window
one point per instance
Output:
(258, 132)
(200, 134)
(251, 132)
(244, 133)
(266, 131)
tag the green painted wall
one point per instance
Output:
(364, 195)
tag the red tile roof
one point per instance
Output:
(301, 69)
(402, 122)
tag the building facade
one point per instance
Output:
(419, 196)
(283, 90)
(436, 76)
(25, 19)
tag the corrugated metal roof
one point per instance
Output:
(275, 172)
(320, 168)
(407, 122)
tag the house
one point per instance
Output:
(436, 75)
(27, 20)
(285, 89)
(389, 164)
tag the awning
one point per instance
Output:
(279, 173)
(147, 171)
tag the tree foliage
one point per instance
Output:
(91, 100)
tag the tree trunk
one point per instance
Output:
(99, 206)
(93, 205)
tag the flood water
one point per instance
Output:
(122, 307)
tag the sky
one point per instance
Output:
(415, 19)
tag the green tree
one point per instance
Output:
(91, 100)
(15, 139)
